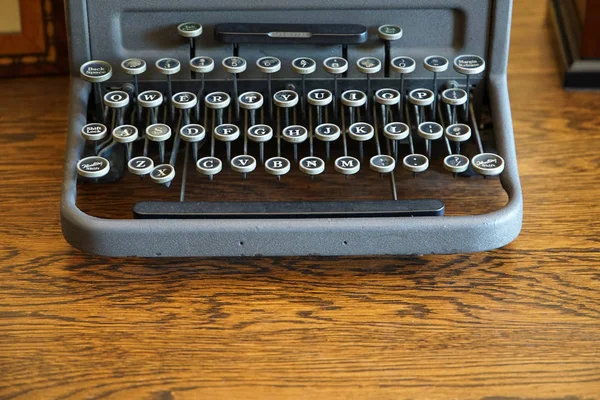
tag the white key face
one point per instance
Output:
(189, 29)
(304, 65)
(387, 97)
(158, 132)
(415, 163)
(327, 132)
(192, 133)
(125, 134)
(469, 64)
(260, 133)
(168, 66)
(209, 166)
(93, 167)
(251, 100)
(403, 65)
(430, 130)
(454, 97)
(368, 65)
(94, 131)
(268, 65)
(488, 164)
(421, 97)
(396, 131)
(234, 65)
(134, 66)
(243, 164)
(285, 98)
(277, 166)
(390, 32)
(217, 100)
(361, 131)
(295, 134)
(354, 98)
(458, 132)
(227, 132)
(435, 64)
(184, 100)
(319, 97)
(202, 64)
(335, 65)
(150, 99)
(116, 99)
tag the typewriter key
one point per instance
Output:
(347, 165)
(396, 131)
(163, 174)
(243, 164)
(368, 66)
(159, 133)
(319, 98)
(403, 65)
(328, 133)
(488, 164)
(469, 65)
(116, 99)
(335, 66)
(269, 65)
(126, 134)
(458, 132)
(150, 99)
(209, 166)
(456, 163)
(354, 98)
(312, 165)
(134, 67)
(382, 163)
(304, 66)
(415, 163)
(193, 133)
(435, 64)
(361, 132)
(260, 134)
(184, 102)
(227, 133)
(93, 167)
(202, 65)
(251, 100)
(295, 134)
(389, 33)
(235, 66)
(94, 132)
(190, 30)
(140, 165)
(430, 131)
(454, 97)
(277, 166)
(421, 98)
(96, 72)
(168, 67)
(386, 98)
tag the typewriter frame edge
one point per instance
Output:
(282, 237)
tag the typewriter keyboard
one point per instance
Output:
(292, 145)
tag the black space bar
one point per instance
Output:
(288, 209)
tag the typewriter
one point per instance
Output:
(261, 127)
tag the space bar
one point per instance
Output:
(288, 209)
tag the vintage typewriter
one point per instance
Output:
(268, 127)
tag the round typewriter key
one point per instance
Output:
(94, 132)
(202, 64)
(454, 97)
(217, 100)
(150, 98)
(430, 130)
(209, 166)
(96, 71)
(312, 165)
(382, 164)
(184, 100)
(260, 133)
(192, 133)
(361, 131)
(189, 29)
(168, 66)
(93, 167)
(294, 134)
(158, 132)
(335, 65)
(421, 97)
(134, 66)
(251, 100)
(435, 64)
(354, 98)
(469, 64)
(415, 163)
(268, 65)
(488, 164)
(116, 99)
(458, 132)
(227, 132)
(328, 132)
(396, 131)
(368, 65)
(388, 97)
(140, 165)
(243, 164)
(125, 134)
(234, 65)
(456, 163)
(347, 165)
(304, 65)
(320, 97)
(403, 65)
(163, 173)
(277, 166)
(389, 32)
(286, 98)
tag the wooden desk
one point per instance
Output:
(519, 322)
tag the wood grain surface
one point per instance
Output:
(522, 322)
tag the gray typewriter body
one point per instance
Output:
(115, 30)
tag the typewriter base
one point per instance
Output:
(579, 73)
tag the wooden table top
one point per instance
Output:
(518, 322)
